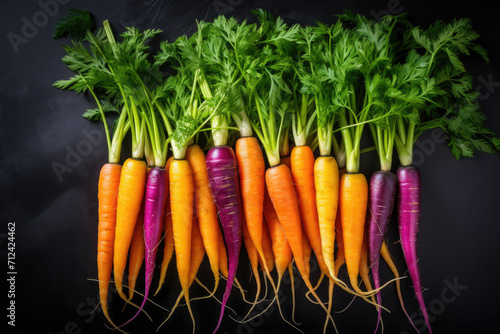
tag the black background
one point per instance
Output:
(55, 217)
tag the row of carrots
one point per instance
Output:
(268, 102)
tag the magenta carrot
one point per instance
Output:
(381, 203)
(223, 176)
(408, 219)
(154, 212)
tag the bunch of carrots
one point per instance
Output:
(249, 134)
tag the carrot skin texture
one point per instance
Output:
(381, 203)
(154, 213)
(353, 204)
(223, 176)
(130, 196)
(251, 168)
(109, 181)
(326, 179)
(409, 186)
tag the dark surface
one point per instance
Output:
(56, 217)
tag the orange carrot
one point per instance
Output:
(130, 194)
(282, 192)
(109, 180)
(205, 207)
(251, 168)
(353, 204)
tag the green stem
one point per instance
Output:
(116, 144)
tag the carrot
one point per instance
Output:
(222, 173)
(205, 207)
(181, 204)
(136, 256)
(109, 180)
(279, 183)
(130, 194)
(136, 253)
(353, 204)
(280, 247)
(251, 168)
(154, 212)
(409, 188)
(168, 234)
(326, 180)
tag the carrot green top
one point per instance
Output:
(267, 77)
(267, 82)
(434, 59)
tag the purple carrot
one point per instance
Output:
(154, 210)
(408, 218)
(382, 196)
(223, 177)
